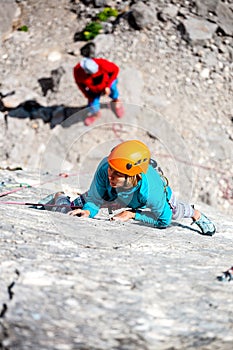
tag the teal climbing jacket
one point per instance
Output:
(149, 198)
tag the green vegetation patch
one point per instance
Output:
(23, 29)
(106, 13)
(91, 30)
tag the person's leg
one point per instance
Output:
(56, 202)
(183, 210)
(94, 106)
(114, 94)
(62, 203)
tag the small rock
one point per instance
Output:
(54, 56)
(141, 16)
(225, 18)
(198, 31)
(169, 12)
(205, 73)
(103, 43)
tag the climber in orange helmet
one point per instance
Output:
(126, 177)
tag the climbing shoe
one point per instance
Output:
(206, 226)
(92, 118)
(118, 108)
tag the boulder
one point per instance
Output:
(9, 11)
(141, 16)
(206, 6)
(225, 18)
(198, 31)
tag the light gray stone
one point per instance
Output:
(131, 85)
(206, 6)
(198, 31)
(225, 18)
(8, 12)
(169, 12)
(143, 16)
(103, 43)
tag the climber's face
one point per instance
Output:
(116, 179)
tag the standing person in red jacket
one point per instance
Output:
(96, 77)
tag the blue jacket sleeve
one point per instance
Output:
(149, 217)
(159, 213)
(98, 187)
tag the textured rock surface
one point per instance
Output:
(70, 283)
(190, 86)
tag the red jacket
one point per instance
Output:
(93, 85)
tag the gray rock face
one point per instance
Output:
(206, 6)
(190, 86)
(8, 12)
(218, 12)
(225, 18)
(70, 283)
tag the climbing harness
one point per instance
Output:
(161, 173)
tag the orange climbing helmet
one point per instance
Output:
(130, 157)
